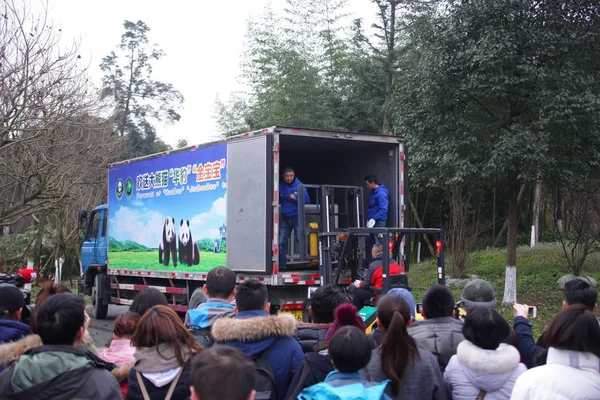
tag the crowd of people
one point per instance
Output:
(230, 346)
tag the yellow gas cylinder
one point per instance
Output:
(313, 243)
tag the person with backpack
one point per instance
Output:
(350, 351)
(163, 351)
(267, 339)
(220, 289)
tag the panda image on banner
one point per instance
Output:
(168, 243)
(188, 248)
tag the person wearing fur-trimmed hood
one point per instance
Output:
(483, 365)
(253, 331)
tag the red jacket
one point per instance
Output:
(374, 276)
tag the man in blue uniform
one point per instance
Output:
(377, 210)
(288, 198)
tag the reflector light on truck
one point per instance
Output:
(290, 307)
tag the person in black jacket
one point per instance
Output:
(533, 354)
(317, 364)
(323, 303)
(58, 369)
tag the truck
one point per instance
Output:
(173, 216)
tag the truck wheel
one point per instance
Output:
(99, 309)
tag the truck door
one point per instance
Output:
(250, 204)
(93, 250)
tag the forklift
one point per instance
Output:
(334, 239)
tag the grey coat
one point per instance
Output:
(421, 381)
(440, 336)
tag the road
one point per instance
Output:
(101, 330)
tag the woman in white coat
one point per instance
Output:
(483, 365)
(572, 369)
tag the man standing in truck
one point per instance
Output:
(377, 210)
(288, 198)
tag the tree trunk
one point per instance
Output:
(504, 226)
(420, 225)
(537, 208)
(510, 283)
(559, 221)
(39, 239)
(389, 70)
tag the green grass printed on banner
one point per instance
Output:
(149, 261)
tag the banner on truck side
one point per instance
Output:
(168, 213)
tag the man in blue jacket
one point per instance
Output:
(288, 198)
(377, 210)
(220, 288)
(254, 331)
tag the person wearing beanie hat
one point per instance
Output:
(345, 315)
(478, 293)
(317, 365)
(440, 333)
(12, 302)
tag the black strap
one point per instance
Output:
(481, 395)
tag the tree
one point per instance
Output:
(46, 107)
(292, 76)
(139, 101)
(181, 143)
(385, 51)
(504, 91)
(583, 221)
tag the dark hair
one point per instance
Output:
(438, 302)
(59, 319)
(288, 169)
(48, 289)
(349, 349)
(223, 372)
(371, 178)
(485, 328)
(579, 291)
(159, 325)
(574, 328)
(146, 299)
(251, 295)
(398, 348)
(324, 301)
(125, 324)
(220, 282)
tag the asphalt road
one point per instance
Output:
(101, 330)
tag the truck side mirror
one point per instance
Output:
(83, 215)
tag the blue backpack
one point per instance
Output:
(355, 391)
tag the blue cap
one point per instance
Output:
(408, 297)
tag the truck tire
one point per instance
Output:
(99, 309)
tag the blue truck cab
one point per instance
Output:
(94, 257)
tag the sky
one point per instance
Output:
(203, 41)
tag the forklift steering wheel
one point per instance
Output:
(362, 273)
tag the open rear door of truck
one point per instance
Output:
(249, 204)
